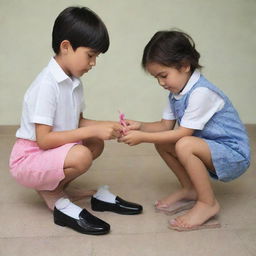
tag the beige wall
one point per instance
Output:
(224, 32)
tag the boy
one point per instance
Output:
(55, 143)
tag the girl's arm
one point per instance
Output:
(136, 137)
(163, 125)
(168, 136)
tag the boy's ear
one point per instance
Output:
(65, 46)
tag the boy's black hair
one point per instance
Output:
(173, 49)
(81, 27)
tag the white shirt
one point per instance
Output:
(52, 99)
(202, 105)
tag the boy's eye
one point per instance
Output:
(92, 54)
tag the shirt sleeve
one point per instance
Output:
(45, 103)
(167, 113)
(82, 101)
(202, 105)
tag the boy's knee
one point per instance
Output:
(158, 147)
(99, 147)
(96, 146)
(81, 158)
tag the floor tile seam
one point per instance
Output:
(40, 236)
(242, 243)
(140, 233)
(234, 231)
(22, 203)
(228, 228)
(233, 194)
(80, 236)
(130, 155)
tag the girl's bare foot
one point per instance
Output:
(79, 194)
(198, 215)
(182, 194)
(51, 197)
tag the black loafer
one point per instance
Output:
(120, 206)
(87, 223)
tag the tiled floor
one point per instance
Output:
(136, 174)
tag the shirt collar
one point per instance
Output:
(60, 75)
(57, 71)
(191, 82)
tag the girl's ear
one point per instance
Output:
(65, 46)
(185, 68)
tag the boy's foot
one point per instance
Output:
(197, 218)
(68, 214)
(50, 197)
(181, 195)
(79, 194)
(104, 200)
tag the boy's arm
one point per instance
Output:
(88, 122)
(47, 139)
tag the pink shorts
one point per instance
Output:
(36, 168)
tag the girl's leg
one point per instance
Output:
(187, 191)
(195, 156)
(77, 162)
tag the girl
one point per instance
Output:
(55, 143)
(210, 137)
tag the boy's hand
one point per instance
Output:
(108, 131)
(133, 138)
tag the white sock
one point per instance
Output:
(105, 195)
(64, 205)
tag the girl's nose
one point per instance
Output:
(161, 82)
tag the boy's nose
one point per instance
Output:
(93, 63)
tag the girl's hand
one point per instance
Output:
(132, 138)
(108, 131)
(133, 125)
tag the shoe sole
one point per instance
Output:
(59, 223)
(122, 213)
(174, 209)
